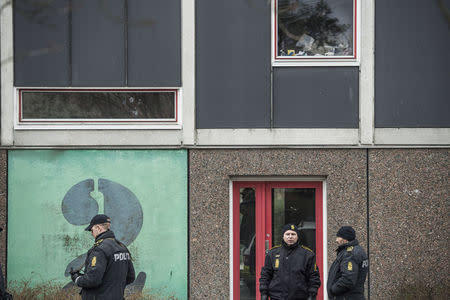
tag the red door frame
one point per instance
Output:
(263, 226)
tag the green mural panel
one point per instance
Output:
(52, 194)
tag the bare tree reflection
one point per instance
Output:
(98, 105)
(309, 28)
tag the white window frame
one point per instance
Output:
(94, 124)
(317, 60)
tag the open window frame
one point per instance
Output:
(319, 60)
(24, 123)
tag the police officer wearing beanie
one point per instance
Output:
(108, 266)
(290, 270)
(348, 272)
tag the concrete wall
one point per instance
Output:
(408, 211)
(409, 223)
(210, 171)
(408, 207)
(52, 195)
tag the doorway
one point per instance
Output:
(260, 210)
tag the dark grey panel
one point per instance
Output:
(316, 97)
(154, 43)
(98, 45)
(412, 63)
(41, 44)
(233, 64)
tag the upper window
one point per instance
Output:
(69, 107)
(315, 30)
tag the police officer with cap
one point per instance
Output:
(290, 270)
(108, 266)
(348, 272)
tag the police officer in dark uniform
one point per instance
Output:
(108, 266)
(290, 271)
(348, 272)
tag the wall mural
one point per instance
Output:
(120, 204)
(52, 196)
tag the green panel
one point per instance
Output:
(42, 242)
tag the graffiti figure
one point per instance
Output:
(108, 266)
(121, 204)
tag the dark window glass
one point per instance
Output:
(315, 28)
(90, 105)
(295, 206)
(247, 244)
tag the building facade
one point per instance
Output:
(203, 126)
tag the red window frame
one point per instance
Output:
(174, 120)
(315, 58)
(263, 226)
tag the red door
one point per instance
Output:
(260, 210)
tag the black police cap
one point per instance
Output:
(98, 219)
(287, 227)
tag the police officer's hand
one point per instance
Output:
(264, 297)
(74, 274)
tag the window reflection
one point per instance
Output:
(98, 105)
(315, 28)
(247, 244)
(296, 206)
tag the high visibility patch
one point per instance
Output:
(278, 255)
(277, 263)
(315, 267)
(93, 261)
(350, 266)
(292, 227)
(350, 248)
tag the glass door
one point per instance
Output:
(260, 210)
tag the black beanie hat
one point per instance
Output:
(289, 227)
(347, 233)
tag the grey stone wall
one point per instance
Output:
(210, 172)
(409, 223)
(409, 212)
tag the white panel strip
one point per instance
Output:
(98, 138)
(412, 136)
(188, 70)
(7, 73)
(367, 72)
(277, 137)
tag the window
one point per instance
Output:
(96, 107)
(315, 30)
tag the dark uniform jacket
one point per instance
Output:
(108, 269)
(348, 273)
(289, 272)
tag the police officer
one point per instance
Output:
(348, 272)
(290, 271)
(108, 266)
